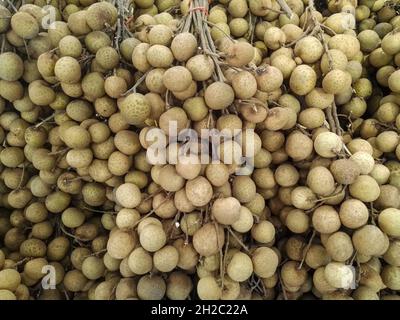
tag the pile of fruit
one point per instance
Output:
(279, 180)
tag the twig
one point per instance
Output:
(11, 5)
(238, 240)
(45, 120)
(138, 83)
(285, 8)
(306, 249)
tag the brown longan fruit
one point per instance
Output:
(317, 256)
(292, 275)
(179, 286)
(345, 171)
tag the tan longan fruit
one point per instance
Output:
(219, 96)
(365, 188)
(140, 261)
(243, 189)
(346, 43)
(339, 275)
(392, 256)
(390, 276)
(67, 70)
(177, 72)
(339, 246)
(387, 141)
(325, 219)
(201, 67)
(303, 198)
(297, 221)
(152, 238)
(120, 244)
(311, 118)
(388, 221)
(317, 256)
(159, 56)
(70, 46)
(199, 191)
(303, 79)
(183, 46)
(353, 213)
(93, 268)
(24, 25)
(9, 279)
(72, 217)
(345, 171)
(369, 240)
(269, 78)
(209, 239)
(33, 248)
(321, 181)
(328, 144)
(245, 221)
(309, 49)
(226, 210)
(11, 66)
(128, 195)
(166, 259)
(217, 174)
(209, 289)
(295, 139)
(126, 289)
(263, 232)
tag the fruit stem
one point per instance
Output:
(286, 8)
(306, 249)
(45, 120)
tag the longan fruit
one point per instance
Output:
(209, 239)
(140, 261)
(325, 219)
(369, 240)
(93, 268)
(353, 213)
(166, 259)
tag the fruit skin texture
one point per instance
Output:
(11, 66)
(302, 80)
(135, 109)
(209, 239)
